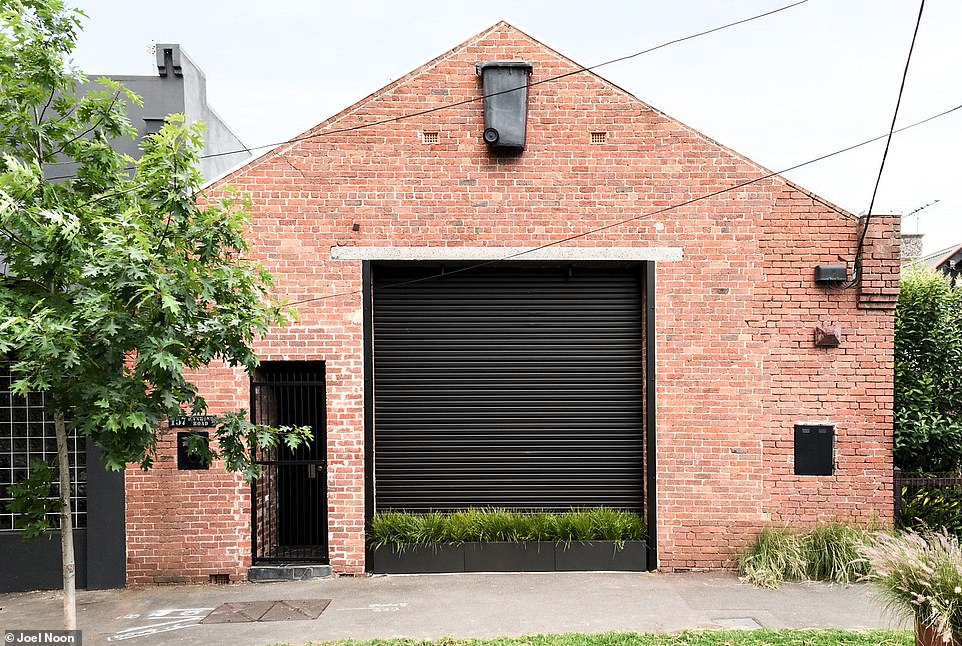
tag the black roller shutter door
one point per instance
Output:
(511, 385)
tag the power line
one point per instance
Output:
(455, 104)
(372, 124)
(536, 83)
(644, 215)
(888, 142)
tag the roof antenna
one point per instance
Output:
(921, 208)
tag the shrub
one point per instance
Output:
(488, 525)
(928, 374)
(934, 508)
(921, 576)
(829, 552)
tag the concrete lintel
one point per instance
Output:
(658, 254)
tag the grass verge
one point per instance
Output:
(687, 638)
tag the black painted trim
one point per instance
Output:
(368, 342)
(651, 502)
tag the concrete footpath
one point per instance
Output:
(464, 605)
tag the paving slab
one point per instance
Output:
(462, 605)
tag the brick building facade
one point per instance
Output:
(735, 363)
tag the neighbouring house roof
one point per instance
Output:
(948, 256)
(947, 260)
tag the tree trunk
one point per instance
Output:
(66, 527)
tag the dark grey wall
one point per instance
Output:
(106, 524)
(218, 138)
(36, 565)
(161, 96)
(100, 550)
(180, 87)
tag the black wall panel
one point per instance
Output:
(37, 565)
(511, 385)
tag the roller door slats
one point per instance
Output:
(475, 425)
(515, 385)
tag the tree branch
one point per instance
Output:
(14, 279)
(163, 237)
(39, 151)
(67, 114)
(86, 132)
(109, 194)
(16, 239)
(45, 106)
(39, 120)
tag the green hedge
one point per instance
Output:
(928, 374)
(488, 525)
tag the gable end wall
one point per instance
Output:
(736, 362)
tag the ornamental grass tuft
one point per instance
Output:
(828, 552)
(489, 525)
(920, 576)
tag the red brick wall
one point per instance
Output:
(736, 361)
(183, 526)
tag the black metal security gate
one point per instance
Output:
(512, 385)
(289, 499)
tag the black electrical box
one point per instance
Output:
(814, 450)
(187, 461)
(505, 87)
(830, 273)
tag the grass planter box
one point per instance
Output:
(418, 559)
(580, 556)
(539, 556)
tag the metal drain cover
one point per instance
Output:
(296, 610)
(250, 611)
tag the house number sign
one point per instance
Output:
(193, 421)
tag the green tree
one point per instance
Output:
(117, 282)
(928, 374)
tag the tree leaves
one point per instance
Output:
(118, 284)
(237, 439)
(32, 500)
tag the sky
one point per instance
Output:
(780, 90)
